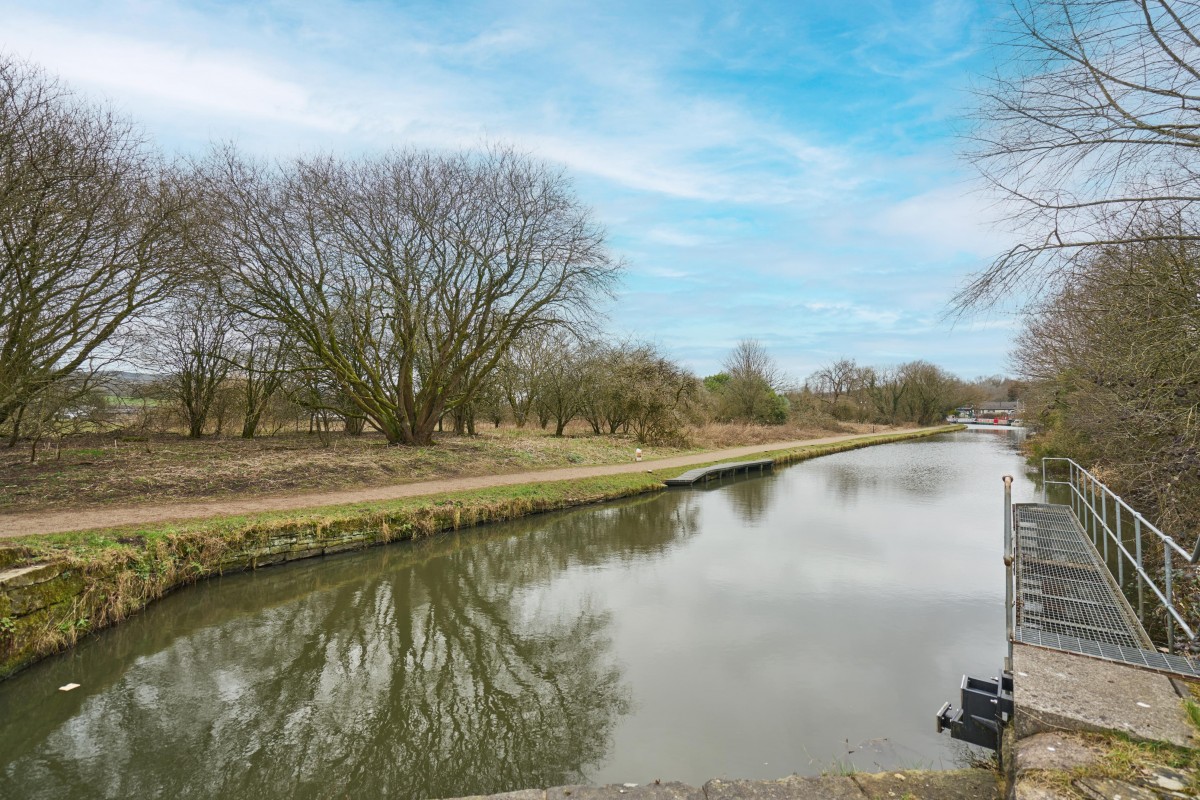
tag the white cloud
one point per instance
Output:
(198, 79)
(945, 221)
(855, 313)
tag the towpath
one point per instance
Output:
(93, 518)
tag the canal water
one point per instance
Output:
(807, 621)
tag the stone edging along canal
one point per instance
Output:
(56, 588)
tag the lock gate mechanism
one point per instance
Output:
(987, 705)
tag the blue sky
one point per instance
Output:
(783, 171)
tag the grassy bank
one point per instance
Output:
(76, 583)
(123, 469)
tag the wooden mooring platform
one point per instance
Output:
(705, 474)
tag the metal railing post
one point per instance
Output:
(1095, 519)
(1077, 494)
(1120, 548)
(1104, 523)
(1008, 570)
(1170, 622)
(1137, 538)
(1044, 495)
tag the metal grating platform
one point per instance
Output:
(1068, 600)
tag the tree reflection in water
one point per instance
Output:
(751, 496)
(429, 670)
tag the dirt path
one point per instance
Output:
(89, 519)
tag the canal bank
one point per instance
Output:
(965, 784)
(736, 630)
(56, 588)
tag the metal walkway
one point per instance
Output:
(1067, 599)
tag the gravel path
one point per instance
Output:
(88, 519)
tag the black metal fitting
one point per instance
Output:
(987, 704)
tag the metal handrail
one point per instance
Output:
(1087, 491)
(1010, 610)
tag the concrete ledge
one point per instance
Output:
(28, 576)
(963, 784)
(1056, 691)
(826, 787)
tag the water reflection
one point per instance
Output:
(363, 676)
(750, 494)
(749, 630)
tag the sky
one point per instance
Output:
(783, 171)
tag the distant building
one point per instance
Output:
(999, 408)
(993, 412)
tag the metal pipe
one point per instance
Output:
(1008, 570)
(1075, 496)
(1170, 622)
(1044, 501)
(1104, 524)
(1120, 550)
(1137, 537)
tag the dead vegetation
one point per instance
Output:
(106, 470)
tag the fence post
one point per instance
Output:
(1008, 570)
(1044, 495)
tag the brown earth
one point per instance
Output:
(41, 522)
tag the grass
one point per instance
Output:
(484, 504)
(1121, 759)
(1193, 711)
(94, 470)
(114, 572)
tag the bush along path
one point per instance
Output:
(58, 586)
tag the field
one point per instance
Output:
(109, 470)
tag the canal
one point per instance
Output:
(811, 620)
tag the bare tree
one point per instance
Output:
(90, 228)
(929, 391)
(69, 406)
(191, 343)
(886, 390)
(1090, 129)
(519, 373)
(834, 380)
(408, 276)
(261, 357)
(754, 379)
(1114, 366)
(660, 396)
(562, 387)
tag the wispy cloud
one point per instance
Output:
(783, 171)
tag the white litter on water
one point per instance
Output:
(68, 687)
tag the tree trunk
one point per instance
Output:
(16, 431)
(250, 424)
